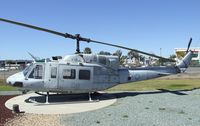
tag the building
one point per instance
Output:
(14, 64)
(180, 53)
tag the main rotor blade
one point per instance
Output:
(79, 38)
(66, 35)
(122, 47)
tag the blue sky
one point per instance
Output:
(147, 25)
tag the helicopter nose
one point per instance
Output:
(9, 80)
(15, 80)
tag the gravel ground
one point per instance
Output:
(35, 120)
(143, 109)
(155, 108)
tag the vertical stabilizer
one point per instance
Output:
(184, 63)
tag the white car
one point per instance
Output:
(3, 69)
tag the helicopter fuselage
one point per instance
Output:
(73, 74)
(83, 74)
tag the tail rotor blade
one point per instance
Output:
(189, 45)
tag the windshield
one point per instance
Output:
(37, 72)
(27, 69)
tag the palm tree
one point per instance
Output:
(120, 57)
(142, 59)
(133, 54)
(123, 60)
(118, 53)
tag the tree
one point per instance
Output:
(142, 58)
(123, 59)
(133, 54)
(173, 56)
(87, 50)
(118, 53)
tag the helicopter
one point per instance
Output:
(86, 73)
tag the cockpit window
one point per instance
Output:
(27, 69)
(37, 72)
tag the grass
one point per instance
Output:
(5, 87)
(172, 84)
(169, 84)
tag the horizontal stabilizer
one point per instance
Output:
(164, 74)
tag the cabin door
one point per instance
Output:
(67, 77)
(52, 76)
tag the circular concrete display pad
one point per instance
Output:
(60, 104)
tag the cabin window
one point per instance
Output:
(54, 72)
(69, 74)
(37, 72)
(84, 74)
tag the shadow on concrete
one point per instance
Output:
(159, 91)
(70, 98)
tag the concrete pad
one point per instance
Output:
(59, 104)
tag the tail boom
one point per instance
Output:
(146, 73)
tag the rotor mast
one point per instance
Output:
(77, 43)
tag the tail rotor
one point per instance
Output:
(189, 45)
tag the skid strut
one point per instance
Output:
(90, 98)
(47, 98)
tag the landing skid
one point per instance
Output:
(46, 101)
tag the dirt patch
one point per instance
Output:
(5, 114)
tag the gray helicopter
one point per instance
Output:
(86, 73)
